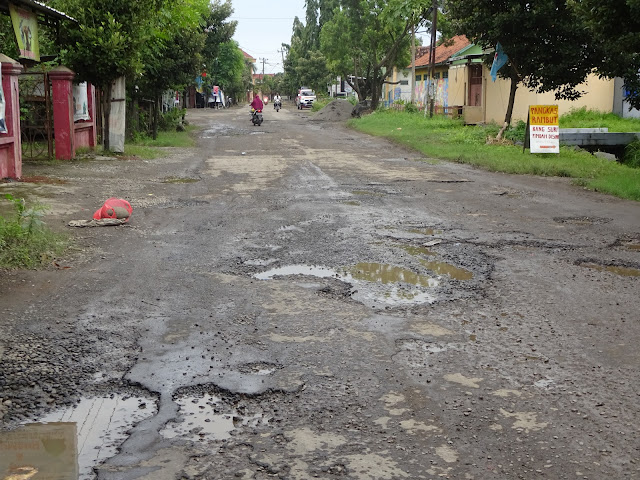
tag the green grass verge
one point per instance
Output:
(447, 139)
(25, 241)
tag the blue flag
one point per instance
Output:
(499, 59)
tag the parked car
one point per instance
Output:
(305, 98)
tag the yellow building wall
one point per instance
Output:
(458, 75)
(599, 96)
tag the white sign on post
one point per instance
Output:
(544, 130)
(3, 122)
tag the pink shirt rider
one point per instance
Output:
(257, 103)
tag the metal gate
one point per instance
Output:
(36, 116)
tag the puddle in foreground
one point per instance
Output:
(203, 419)
(624, 271)
(68, 443)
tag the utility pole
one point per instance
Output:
(282, 52)
(413, 64)
(263, 60)
(432, 57)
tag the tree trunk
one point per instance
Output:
(512, 97)
(106, 109)
(156, 117)
(413, 64)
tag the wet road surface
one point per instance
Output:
(298, 300)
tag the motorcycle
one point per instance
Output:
(256, 116)
(277, 105)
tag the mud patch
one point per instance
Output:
(180, 180)
(443, 268)
(259, 368)
(582, 220)
(43, 179)
(622, 270)
(208, 417)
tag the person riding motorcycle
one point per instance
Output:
(277, 101)
(257, 104)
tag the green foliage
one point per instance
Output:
(25, 242)
(583, 118)
(171, 119)
(614, 26)
(411, 108)
(632, 155)
(444, 138)
(535, 36)
(364, 40)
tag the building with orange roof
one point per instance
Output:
(401, 83)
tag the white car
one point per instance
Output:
(305, 98)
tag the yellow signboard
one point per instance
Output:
(544, 130)
(25, 26)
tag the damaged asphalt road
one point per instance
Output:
(299, 300)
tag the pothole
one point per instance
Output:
(443, 268)
(207, 417)
(69, 442)
(419, 353)
(180, 180)
(374, 282)
(259, 368)
(428, 231)
(417, 251)
(622, 270)
(584, 220)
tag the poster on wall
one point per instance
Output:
(3, 123)
(80, 102)
(25, 26)
(543, 129)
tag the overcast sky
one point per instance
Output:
(263, 27)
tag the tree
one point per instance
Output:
(172, 52)
(549, 48)
(615, 25)
(365, 39)
(305, 63)
(108, 42)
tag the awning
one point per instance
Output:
(46, 15)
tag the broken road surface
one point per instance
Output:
(325, 305)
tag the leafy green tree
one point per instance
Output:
(172, 53)
(615, 25)
(108, 42)
(305, 63)
(549, 48)
(365, 39)
(229, 69)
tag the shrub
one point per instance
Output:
(631, 157)
(171, 119)
(25, 242)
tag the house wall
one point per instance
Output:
(495, 96)
(620, 105)
(441, 85)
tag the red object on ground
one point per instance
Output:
(114, 208)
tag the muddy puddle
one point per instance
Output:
(417, 251)
(443, 268)
(180, 180)
(207, 418)
(373, 282)
(618, 270)
(66, 444)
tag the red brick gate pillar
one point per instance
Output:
(10, 142)
(63, 127)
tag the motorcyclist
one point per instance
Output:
(277, 101)
(257, 104)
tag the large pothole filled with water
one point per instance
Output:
(70, 442)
